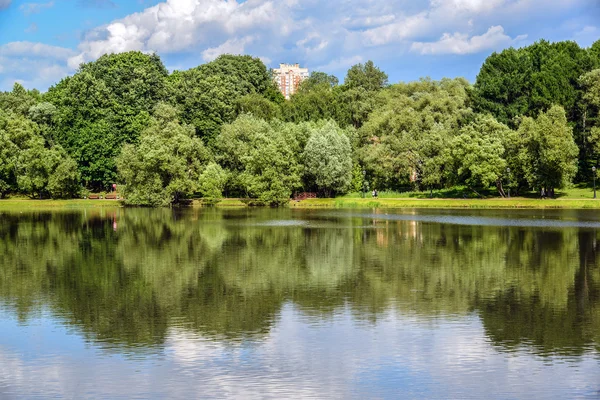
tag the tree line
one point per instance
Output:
(530, 121)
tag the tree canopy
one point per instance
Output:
(223, 129)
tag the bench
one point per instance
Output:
(94, 197)
(305, 195)
(111, 197)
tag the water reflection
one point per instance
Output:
(254, 294)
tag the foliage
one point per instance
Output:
(258, 106)
(104, 105)
(165, 166)
(328, 159)
(406, 136)
(212, 182)
(548, 154)
(261, 160)
(214, 93)
(404, 141)
(479, 154)
(366, 76)
(31, 165)
(529, 80)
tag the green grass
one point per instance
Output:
(455, 192)
(580, 191)
(20, 204)
(580, 196)
(225, 203)
(496, 203)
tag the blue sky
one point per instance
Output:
(44, 41)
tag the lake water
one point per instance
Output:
(263, 303)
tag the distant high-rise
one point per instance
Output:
(288, 78)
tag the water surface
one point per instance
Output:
(262, 303)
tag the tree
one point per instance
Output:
(530, 80)
(8, 152)
(165, 166)
(404, 141)
(19, 100)
(313, 103)
(590, 104)
(32, 165)
(366, 76)
(358, 98)
(46, 172)
(262, 161)
(317, 80)
(328, 159)
(548, 153)
(479, 154)
(210, 94)
(105, 104)
(258, 106)
(212, 182)
(43, 113)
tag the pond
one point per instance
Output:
(281, 303)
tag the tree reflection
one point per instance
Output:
(125, 276)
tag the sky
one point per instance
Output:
(41, 42)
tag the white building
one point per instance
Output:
(288, 78)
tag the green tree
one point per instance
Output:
(212, 182)
(105, 104)
(548, 153)
(316, 80)
(258, 106)
(590, 83)
(32, 165)
(405, 140)
(210, 95)
(328, 159)
(262, 161)
(164, 167)
(479, 154)
(529, 80)
(366, 76)
(46, 172)
(19, 100)
(359, 93)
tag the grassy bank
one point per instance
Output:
(343, 202)
(19, 204)
(446, 203)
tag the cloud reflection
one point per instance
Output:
(397, 356)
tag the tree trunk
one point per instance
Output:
(476, 192)
(500, 188)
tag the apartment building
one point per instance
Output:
(288, 78)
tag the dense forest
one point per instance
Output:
(530, 121)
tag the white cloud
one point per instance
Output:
(233, 46)
(471, 6)
(340, 63)
(178, 25)
(31, 49)
(312, 32)
(461, 43)
(368, 21)
(36, 65)
(400, 30)
(34, 8)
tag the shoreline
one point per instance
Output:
(496, 203)
(349, 203)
